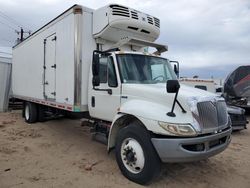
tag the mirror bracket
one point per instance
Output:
(173, 86)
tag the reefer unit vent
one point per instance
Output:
(115, 22)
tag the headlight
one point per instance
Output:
(178, 129)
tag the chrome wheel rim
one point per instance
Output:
(132, 155)
(27, 112)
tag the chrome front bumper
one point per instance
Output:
(191, 149)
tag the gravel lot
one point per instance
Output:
(61, 153)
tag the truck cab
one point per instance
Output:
(137, 90)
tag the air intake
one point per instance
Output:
(134, 15)
(157, 22)
(118, 10)
(150, 20)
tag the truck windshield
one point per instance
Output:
(144, 69)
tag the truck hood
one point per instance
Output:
(157, 94)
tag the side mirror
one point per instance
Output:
(173, 86)
(176, 70)
(96, 81)
(176, 67)
(95, 64)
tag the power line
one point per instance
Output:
(2, 39)
(6, 53)
(7, 25)
(10, 19)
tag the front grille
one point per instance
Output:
(237, 117)
(212, 115)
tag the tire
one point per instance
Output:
(40, 113)
(146, 164)
(30, 112)
(23, 110)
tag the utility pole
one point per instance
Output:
(21, 38)
(21, 33)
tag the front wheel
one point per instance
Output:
(135, 154)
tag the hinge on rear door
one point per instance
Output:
(53, 93)
(54, 38)
(53, 66)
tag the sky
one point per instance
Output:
(209, 38)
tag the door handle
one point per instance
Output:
(108, 90)
(93, 101)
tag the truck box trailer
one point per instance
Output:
(95, 62)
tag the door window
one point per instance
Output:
(112, 80)
(107, 71)
(103, 69)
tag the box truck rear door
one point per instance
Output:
(50, 67)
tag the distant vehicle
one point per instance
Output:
(94, 62)
(237, 87)
(5, 82)
(238, 117)
(237, 114)
(204, 84)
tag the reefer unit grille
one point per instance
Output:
(157, 22)
(134, 15)
(118, 10)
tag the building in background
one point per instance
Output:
(5, 82)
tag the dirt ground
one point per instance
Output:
(61, 153)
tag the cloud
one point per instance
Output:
(202, 35)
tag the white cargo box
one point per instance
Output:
(51, 66)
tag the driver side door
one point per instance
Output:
(105, 98)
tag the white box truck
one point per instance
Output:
(96, 62)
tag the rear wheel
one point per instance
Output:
(30, 112)
(40, 113)
(135, 154)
